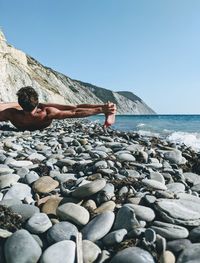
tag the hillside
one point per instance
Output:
(19, 69)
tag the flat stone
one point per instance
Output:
(125, 157)
(13, 146)
(73, 213)
(107, 206)
(51, 205)
(36, 156)
(133, 173)
(167, 257)
(153, 184)
(62, 231)
(19, 191)
(196, 188)
(45, 184)
(133, 255)
(101, 154)
(184, 211)
(142, 212)
(58, 252)
(177, 246)
(169, 231)
(7, 180)
(5, 233)
(174, 156)
(103, 148)
(107, 171)
(114, 237)
(21, 247)
(190, 254)
(89, 188)
(176, 187)
(23, 171)
(135, 148)
(19, 164)
(2, 158)
(90, 204)
(195, 235)
(31, 177)
(38, 223)
(25, 210)
(10, 202)
(99, 226)
(101, 165)
(5, 169)
(192, 178)
(126, 218)
(65, 177)
(106, 193)
(157, 177)
(123, 191)
(90, 251)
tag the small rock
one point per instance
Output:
(59, 252)
(38, 223)
(19, 191)
(25, 210)
(21, 247)
(19, 164)
(90, 251)
(45, 184)
(133, 255)
(99, 226)
(7, 180)
(169, 231)
(167, 257)
(114, 237)
(89, 188)
(73, 213)
(190, 254)
(153, 184)
(62, 231)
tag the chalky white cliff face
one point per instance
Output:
(18, 70)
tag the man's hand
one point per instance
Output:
(109, 108)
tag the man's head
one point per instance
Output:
(27, 98)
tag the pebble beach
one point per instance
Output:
(77, 193)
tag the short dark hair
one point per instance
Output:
(27, 98)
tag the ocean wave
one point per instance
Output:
(186, 138)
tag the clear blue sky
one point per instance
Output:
(149, 47)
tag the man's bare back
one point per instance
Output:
(31, 115)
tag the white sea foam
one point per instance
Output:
(148, 133)
(188, 139)
(140, 125)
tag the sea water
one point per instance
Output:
(181, 129)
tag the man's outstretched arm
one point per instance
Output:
(9, 105)
(69, 107)
(54, 113)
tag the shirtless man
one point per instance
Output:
(29, 114)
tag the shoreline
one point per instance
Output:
(130, 196)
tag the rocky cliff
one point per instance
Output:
(18, 70)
